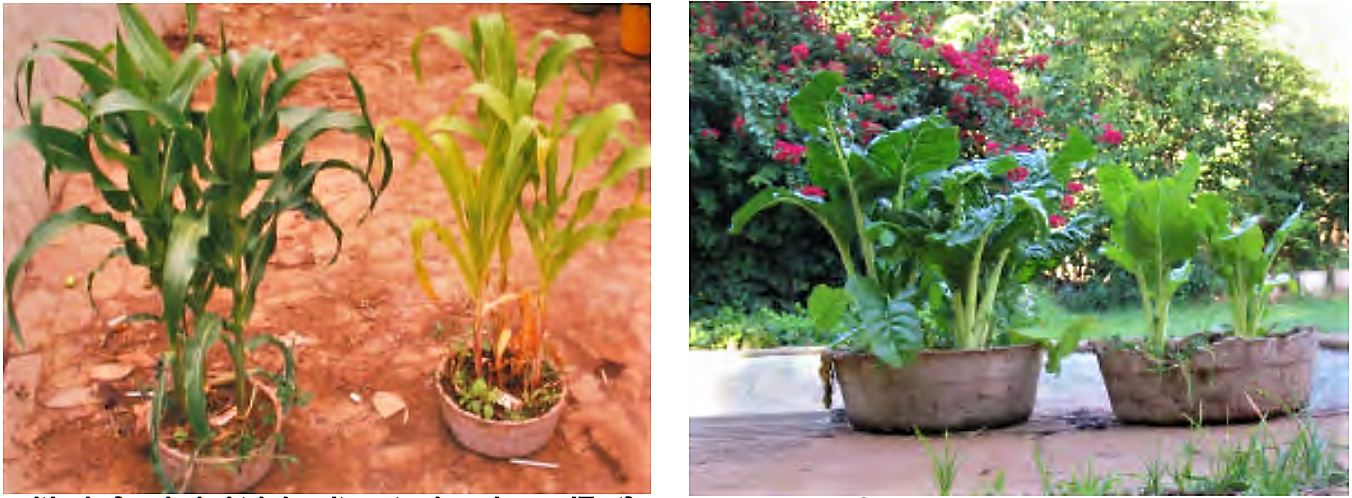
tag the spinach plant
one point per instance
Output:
(1156, 231)
(1243, 260)
(932, 234)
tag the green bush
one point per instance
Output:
(902, 60)
(763, 328)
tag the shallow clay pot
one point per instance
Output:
(493, 438)
(1232, 380)
(940, 390)
(218, 475)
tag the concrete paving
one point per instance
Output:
(731, 383)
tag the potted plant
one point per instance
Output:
(1205, 377)
(190, 175)
(941, 244)
(502, 392)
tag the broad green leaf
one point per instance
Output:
(833, 215)
(811, 106)
(827, 305)
(824, 167)
(1116, 185)
(1076, 149)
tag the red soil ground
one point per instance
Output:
(366, 325)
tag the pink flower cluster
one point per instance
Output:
(738, 125)
(799, 52)
(709, 133)
(1038, 62)
(1018, 174)
(842, 41)
(1110, 136)
(788, 152)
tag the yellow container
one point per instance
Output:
(636, 29)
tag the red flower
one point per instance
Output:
(1110, 136)
(709, 133)
(884, 46)
(738, 124)
(811, 191)
(799, 52)
(1067, 203)
(925, 42)
(1022, 148)
(993, 147)
(1056, 221)
(1016, 175)
(782, 127)
(1075, 187)
(792, 153)
(784, 69)
(842, 40)
(1038, 62)
(710, 49)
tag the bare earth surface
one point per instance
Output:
(363, 324)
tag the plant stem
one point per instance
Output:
(865, 244)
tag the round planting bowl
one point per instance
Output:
(940, 390)
(223, 475)
(1231, 380)
(493, 438)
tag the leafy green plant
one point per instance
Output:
(1155, 233)
(479, 399)
(1089, 483)
(1243, 261)
(984, 232)
(519, 178)
(925, 231)
(944, 465)
(207, 214)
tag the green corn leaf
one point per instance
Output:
(46, 231)
(596, 132)
(495, 100)
(180, 264)
(144, 45)
(287, 80)
(158, 406)
(120, 101)
(453, 40)
(206, 333)
(288, 376)
(551, 64)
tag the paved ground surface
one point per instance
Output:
(757, 427)
(801, 454)
(364, 323)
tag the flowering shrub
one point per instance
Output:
(746, 61)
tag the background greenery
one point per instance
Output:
(1169, 77)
